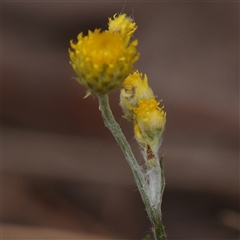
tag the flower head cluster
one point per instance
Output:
(102, 60)
(139, 105)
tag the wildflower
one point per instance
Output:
(135, 88)
(123, 24)
(102, 60)
(149, 124)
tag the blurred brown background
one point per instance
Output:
(63, 175)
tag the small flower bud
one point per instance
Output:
(135, 88)
(149, 123)
(121, 23)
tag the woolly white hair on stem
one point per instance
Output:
(154, 182)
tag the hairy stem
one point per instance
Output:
(110, 122)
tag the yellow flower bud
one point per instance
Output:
(121, 23)
(102, 60)
(149, 123)
(135, 88)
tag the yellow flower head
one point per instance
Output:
(149, 122)
(102, 60)
(122, 24)
(135, 88)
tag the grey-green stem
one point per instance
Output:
(110, 122)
